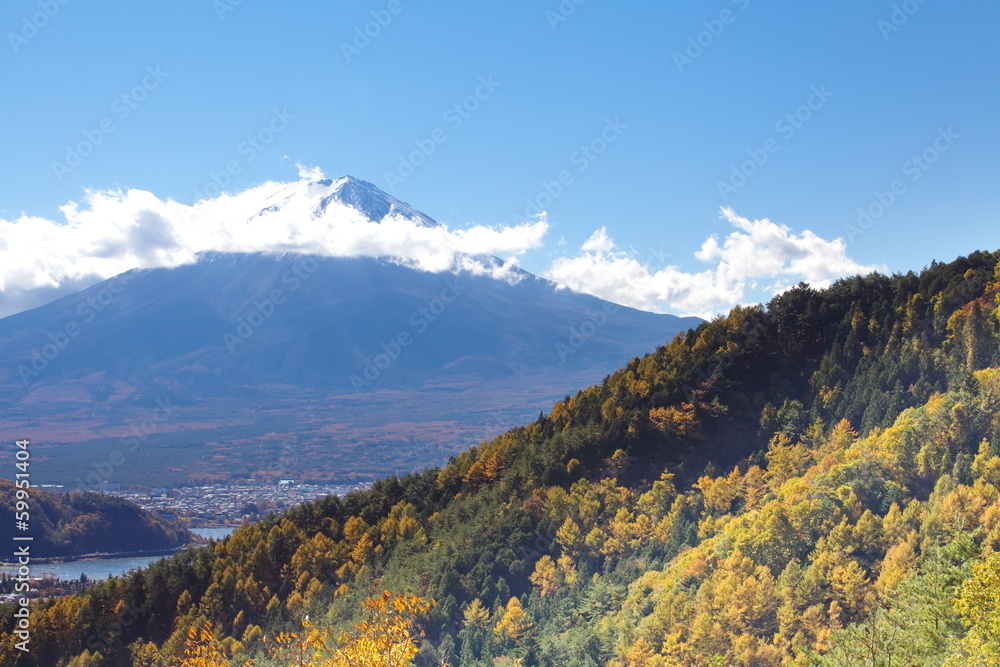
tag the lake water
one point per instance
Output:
(213, 533)
(95, 568)
(100, 568)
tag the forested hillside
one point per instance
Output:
(816, 482)
(84, 523)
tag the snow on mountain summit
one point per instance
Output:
(373, 202)
(320, 198)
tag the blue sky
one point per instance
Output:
(881, 82)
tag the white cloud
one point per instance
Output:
(599, 241)
(114, 231)
(757, 251)
(309, 173)
(111, 232)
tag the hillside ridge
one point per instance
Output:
(769, 488)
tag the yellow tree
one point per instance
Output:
(203, 649)
(515, 622)
(546, 577)
(642, 654)
(979, 604)
(385, 638)
(569, 535)
(785, 460)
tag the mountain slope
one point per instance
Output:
(217, 324)
(711, 503)
(323, 368)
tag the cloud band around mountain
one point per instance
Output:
(115, 231)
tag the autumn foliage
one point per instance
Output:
(811, 482)
(385, 638)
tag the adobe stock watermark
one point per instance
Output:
(454, 116)
(587, 329)
(223, 7)
(249, 150)
(701, 41)
(900, 16)
(660, 256)
(20, 506)
(786, 126)
(581, 160)
(419, 321)
(32, 24)
(86, 311)
(562, 13)
(365, 34)
(121, 108)
(913, 169)
(130, 443)
(249, 324)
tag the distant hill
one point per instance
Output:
(83, 523)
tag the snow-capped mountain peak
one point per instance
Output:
(318, 196)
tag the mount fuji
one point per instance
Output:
(310, 366)
(347, 192)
